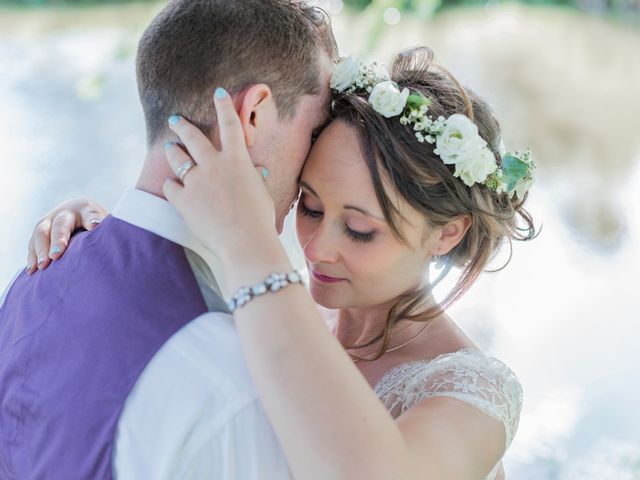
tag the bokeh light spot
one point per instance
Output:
(392, 16)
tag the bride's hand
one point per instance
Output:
(51, 235)
(223, 199)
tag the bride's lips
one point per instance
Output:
(325, 278)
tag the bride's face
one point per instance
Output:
(354, 259)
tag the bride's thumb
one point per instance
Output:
(263, 171)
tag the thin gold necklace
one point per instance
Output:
(398, 347)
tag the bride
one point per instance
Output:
(409, 173)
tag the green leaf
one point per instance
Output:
(513, 169)
(416, 100)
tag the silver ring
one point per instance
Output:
(184, 169)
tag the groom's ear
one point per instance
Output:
(256, 110)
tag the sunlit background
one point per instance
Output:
(562, 77)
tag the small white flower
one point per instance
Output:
(420, 137)
(387, 99)
(346, 73)
(422, 123)
(459, 140)
(477, 169)
(380, 73)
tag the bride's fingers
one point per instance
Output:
(92, 216)
(231, 133)
(173, 193)
(263, 171)
(196, 142)
(32, 257)
(178, 160)
(41, 242)
(62, 227)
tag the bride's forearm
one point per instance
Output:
(329, 421)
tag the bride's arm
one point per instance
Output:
(51, 235)
(329, 421)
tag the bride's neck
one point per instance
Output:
(358, 326)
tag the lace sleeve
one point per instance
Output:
(468, 375)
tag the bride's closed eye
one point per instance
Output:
(307, 212)
(362, 237)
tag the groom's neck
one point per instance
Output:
(154, 171)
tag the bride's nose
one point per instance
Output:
(321, 247)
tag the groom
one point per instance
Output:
(120, 359)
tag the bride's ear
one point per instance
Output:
(451, 235)
(256, 109)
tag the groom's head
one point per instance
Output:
(275, 58)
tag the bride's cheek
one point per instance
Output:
(304, 227)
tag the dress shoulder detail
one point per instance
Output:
(468, 374)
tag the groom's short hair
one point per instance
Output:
(194, 46)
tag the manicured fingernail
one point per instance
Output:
(54, 251)
(265, 172)
(221, 92)
(168, 145)
(95, 221)
(41, 259)
(173, 119)
(30, 267)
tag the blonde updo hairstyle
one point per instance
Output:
(395, 157)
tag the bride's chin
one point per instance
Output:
(328, 304)
(325, 300)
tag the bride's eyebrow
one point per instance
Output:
(306, 186)
(364, 212)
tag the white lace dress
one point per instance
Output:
(468, 375)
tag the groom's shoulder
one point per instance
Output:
(205, 356)
(193, 400)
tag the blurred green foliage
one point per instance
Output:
(419, 5)
(423, 8)
(41, 3)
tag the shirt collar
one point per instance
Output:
(158, 216)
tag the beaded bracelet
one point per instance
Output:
(272, 283)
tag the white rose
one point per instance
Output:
(459, 140)
(477, 169)
(387, 99)
(345, 73)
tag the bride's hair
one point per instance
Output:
(394, 155)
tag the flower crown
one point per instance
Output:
(456, 138)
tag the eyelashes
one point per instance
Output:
(309, 213)
(360, 237)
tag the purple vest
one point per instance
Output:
(73, 341)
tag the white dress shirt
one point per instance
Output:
(193, 413)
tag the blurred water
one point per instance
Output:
(563, 314)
